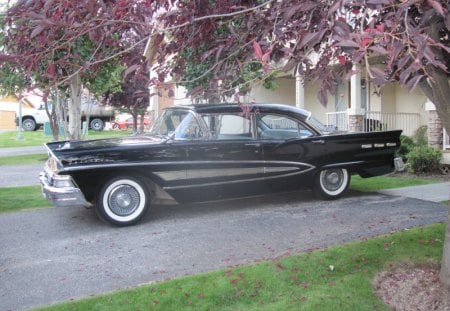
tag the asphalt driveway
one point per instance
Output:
(53, 255)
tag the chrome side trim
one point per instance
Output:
(223, 172)
(342, 164)
(171, 175)
(155, 163)
(240, 181)
(280, 169)
(233, 171)
(379, 145)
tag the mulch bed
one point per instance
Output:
(412, 287)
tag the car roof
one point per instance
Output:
(234, 107)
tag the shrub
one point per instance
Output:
(424, 159)
(420, 137)
(406, 145)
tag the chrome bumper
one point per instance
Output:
(61, 190)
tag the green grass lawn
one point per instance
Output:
(339, 278)
(21, 198)
(386, 182)
(37, 138)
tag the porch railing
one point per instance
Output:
(338, 120)
(378, 121)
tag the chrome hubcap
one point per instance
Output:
(333, 179)
(124, 200)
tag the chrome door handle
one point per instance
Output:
(320, 141)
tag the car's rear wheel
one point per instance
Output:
(97, 124)
(331, 183)
(123, 200)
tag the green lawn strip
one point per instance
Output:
(9, 139)
(21, 198)
(386, 182)
(38, 138)
(24, 159)
(339, 278)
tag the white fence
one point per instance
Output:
(378, 121)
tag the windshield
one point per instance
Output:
(320, 126)
(179, 124)
(166, 124)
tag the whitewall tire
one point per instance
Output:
(123, 200)
(331, 183)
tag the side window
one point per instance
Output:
(278, 127)
(229, 126)
(188, 128)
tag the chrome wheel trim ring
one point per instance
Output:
(124, 200)
(333, 181)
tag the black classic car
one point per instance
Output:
(211, 152)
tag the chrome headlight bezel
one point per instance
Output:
(62, 181)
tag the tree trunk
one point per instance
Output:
(74, 109)
(135, 118)
(141, 126)
(61, 113)
(437, 88)
(53, 119)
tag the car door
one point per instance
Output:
(291, 150)
(225, 161)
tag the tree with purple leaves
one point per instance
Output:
(405, 41)
(323, 40)
(67, 45)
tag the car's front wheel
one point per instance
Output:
(123, 200)
(331, 183)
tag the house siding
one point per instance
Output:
(285, 94)
(390, 98)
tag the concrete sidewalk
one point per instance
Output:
(14, 151)
(433, 193)
(20, 175)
